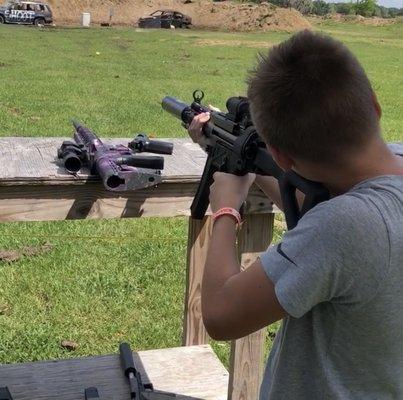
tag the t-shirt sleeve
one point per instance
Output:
(338, 252)
(396, 148)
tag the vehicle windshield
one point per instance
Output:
(22, 6)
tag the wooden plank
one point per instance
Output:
(32, 159)
(29, 160)
(91, 200)
(190, 372)
(246, 361)
(199, 235)
(246, 366)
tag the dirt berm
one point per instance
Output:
(225, 15)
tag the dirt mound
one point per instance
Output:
(247, 17)
(126, 12)
(374, 21)
(205, 14)
(233, 43)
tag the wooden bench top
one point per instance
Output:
(192, 372)
(34, 187)
(32, 160)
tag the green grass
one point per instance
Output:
(100, 283)
(50, 76)
(105, 281)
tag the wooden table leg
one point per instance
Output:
(246, 362)
(199, 235)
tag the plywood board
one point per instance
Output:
(190, 372)
(27, 160)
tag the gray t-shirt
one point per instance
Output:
(339, 276)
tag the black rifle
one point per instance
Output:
(91, 393)
(5, 393)
(119, 166)
(138, 389)
(234, 146)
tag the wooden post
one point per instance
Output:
(246, 362)
(111, 14)
(199, 235)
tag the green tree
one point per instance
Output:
(384, 11)
(344, 8)
(303, 6)
(332, 8)
(366, 8)
(320, 7)
(393, 12)
(281, 3)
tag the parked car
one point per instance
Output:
(25, 12)
(165, 19)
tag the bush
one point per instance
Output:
(281, 3)
(344, 8)
(366, 8)
(320, 7)
(303, 6)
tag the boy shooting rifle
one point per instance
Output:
(335, 279)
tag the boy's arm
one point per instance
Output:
(234, 303)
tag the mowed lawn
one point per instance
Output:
(102, 282)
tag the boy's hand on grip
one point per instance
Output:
(229, 190)
(195, 129)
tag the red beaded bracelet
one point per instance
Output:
(228, 211)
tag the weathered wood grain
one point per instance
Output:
(27, 160)
(246, 367)
(246, 362)
(198, 242)
(91, 200)
(190, 372)
(35, 188)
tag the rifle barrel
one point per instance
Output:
(129, 368)
(175, 107)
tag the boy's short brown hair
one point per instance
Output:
(311, 98)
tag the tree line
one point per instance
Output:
(365, 8)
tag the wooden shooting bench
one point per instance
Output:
(177, 370)
(35, 188)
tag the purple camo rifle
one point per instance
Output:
(120, 167)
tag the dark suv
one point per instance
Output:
(25, 12)
(165, 19)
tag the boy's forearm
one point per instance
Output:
(221, 263)
(222, 260)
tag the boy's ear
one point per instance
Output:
(377, 106)
(282, 159)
